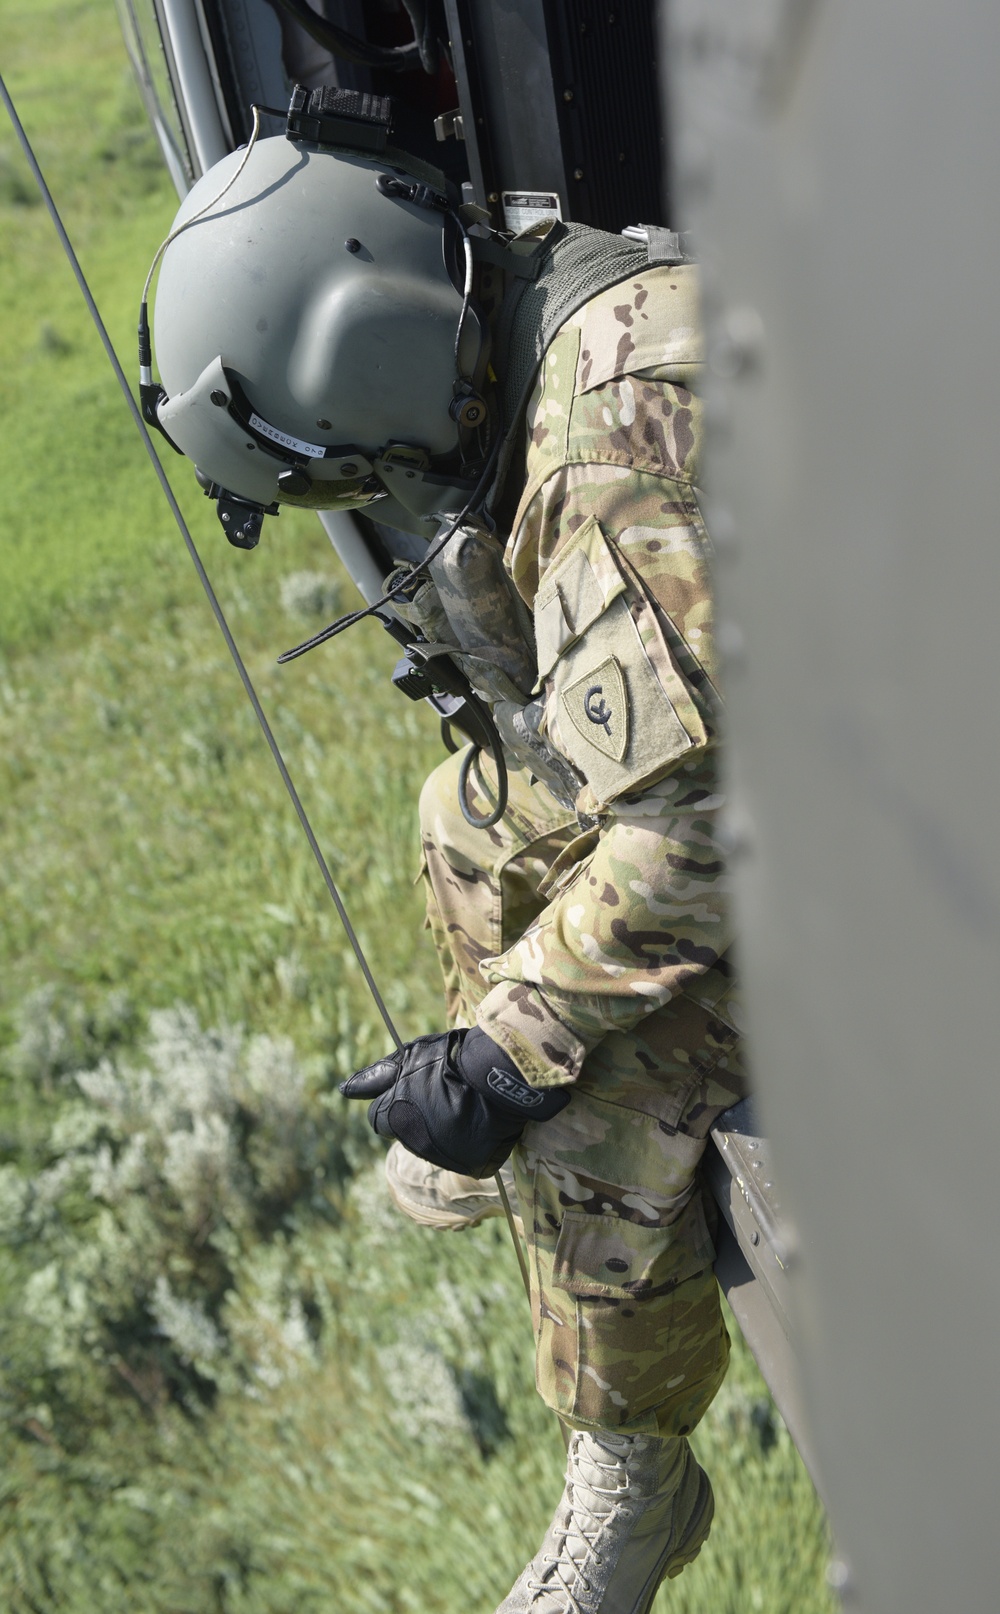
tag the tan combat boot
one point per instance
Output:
(442, 1199)
(635, 1510)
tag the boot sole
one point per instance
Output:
(697, 1532)
(690, 1543)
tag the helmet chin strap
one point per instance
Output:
(471, 506)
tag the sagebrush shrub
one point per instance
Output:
(158, 1234)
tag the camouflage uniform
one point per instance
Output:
(596, 955)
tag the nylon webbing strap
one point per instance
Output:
(523, 264)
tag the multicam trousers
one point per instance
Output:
(628, 1326)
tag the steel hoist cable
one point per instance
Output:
(203, 577)
(219, 614)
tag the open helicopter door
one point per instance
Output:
(534, 109)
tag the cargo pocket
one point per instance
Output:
(617, 705)
(623, 1260)
(631, 1329)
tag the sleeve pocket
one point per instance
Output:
(573, 595)
(621, 1260)
(613, 690)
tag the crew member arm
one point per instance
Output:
(611, 553)
(639, 920)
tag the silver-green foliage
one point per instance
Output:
(158, 1232)
(237, 1380)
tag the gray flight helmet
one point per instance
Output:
(305, 332)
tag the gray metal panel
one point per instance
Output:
(756, 1259)
(760, 1326)
(254, 69)
(741, 1175)
(356, 556)
(561, 99)
(140, 29)
(244, 42)
(194, 83)
(839, 162)
(501, 58)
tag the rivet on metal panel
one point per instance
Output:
(722, 529)
(840, 1580)
(730, 642)
(738, 343)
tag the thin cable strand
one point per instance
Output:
(348, 621)
(466, 289)
(217, 610)
(195, 217)
(199, 568)
(505, 1202)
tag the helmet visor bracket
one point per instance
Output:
(215, 423)
(306, 479)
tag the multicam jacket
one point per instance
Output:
(610, 552)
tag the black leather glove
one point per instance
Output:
(455, 1099)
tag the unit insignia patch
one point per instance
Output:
(597, 705)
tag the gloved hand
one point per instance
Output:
(455, 1099)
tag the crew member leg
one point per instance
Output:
(631, 1346)
(630, 1343)
(483, 884)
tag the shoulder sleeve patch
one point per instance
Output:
(597, 704)
(580, 584)
(613, 692)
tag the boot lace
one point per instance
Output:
(585, 1522)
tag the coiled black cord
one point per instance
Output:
(503, 789)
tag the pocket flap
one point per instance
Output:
(622, 1260)
(574, 592)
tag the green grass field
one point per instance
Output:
(231, 1379)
